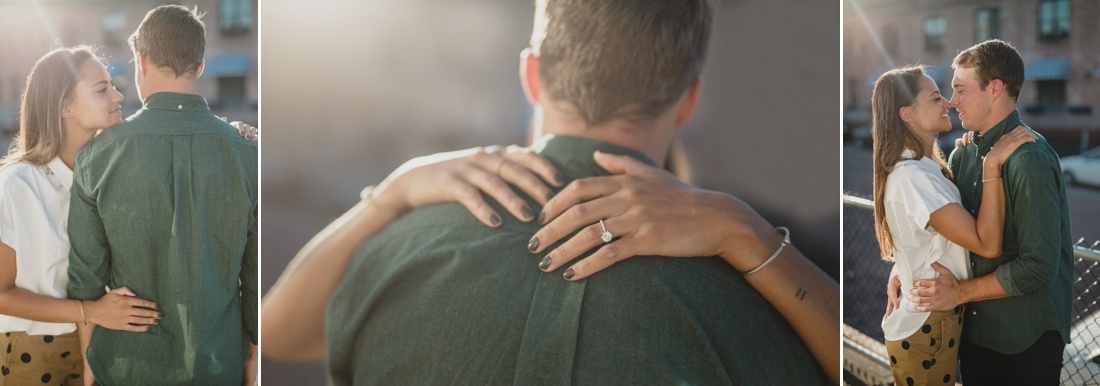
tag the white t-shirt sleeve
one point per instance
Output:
(11, 191)
(918, 194)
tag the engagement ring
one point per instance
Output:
(605, 236)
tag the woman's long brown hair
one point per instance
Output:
(890, 135)
(48, 88)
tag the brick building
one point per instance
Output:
(28, 31)
(1059, 41)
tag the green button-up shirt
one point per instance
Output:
(1036, 262)
(165, 203)
(439, 298)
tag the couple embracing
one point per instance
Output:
(159, 209)
(983, 260)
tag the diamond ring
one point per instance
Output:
(605, 236)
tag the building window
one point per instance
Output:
(1053, 19)
(114, 29)
(987, 24)
(231, 91)
(236, 16)
(1052, 94)
(890, 39)
(934, 28)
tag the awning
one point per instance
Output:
(227, 65)
(1047, 69)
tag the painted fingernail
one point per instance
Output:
(533, 244)
(560, 179)
(542, 218)
(545, 263)
(527, 212)
(494, 219)
(568, 275)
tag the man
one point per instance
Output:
(165, 203)
(1018, 304)
(437, 297)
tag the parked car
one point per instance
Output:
(1082, 169)
(1082, 355)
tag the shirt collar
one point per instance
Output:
(61, 171)
(573, 155)
(177, 102)
(909, 154)
(986, 141)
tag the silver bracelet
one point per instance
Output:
(786, 242)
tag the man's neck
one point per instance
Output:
(998, 114)
(168, 83)
(652, 141)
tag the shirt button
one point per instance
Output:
(180, 107)
(974, 313)
(975, 184)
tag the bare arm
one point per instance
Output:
(84, 332)
(18, 302)
(984, 235)
(806, 297)
(116, 310)
(293, 310)
(655, 214)
(945, 292)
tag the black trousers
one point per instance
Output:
(1040, 364)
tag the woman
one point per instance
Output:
(919, 221)
(68, 99)
(293, 310)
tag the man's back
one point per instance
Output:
(438, 297)
(165, 203)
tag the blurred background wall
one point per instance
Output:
(31, 28)
(352, 89)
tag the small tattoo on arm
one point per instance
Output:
(801, 294)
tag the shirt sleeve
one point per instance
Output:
(1034, 196)
(249, 281)
(89, 256)
(8, 212)
(918, 194)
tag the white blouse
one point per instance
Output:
(34, 211)
(915, 189)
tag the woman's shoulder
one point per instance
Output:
(904, 168)
(16, 176)
(911, 174)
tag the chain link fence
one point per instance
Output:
(865, 276)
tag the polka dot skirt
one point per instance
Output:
(40, 359)
(930, 355)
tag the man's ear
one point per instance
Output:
(688, 104)
(142, 63)
(996, 87)
(529, 76)
(202, 66)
